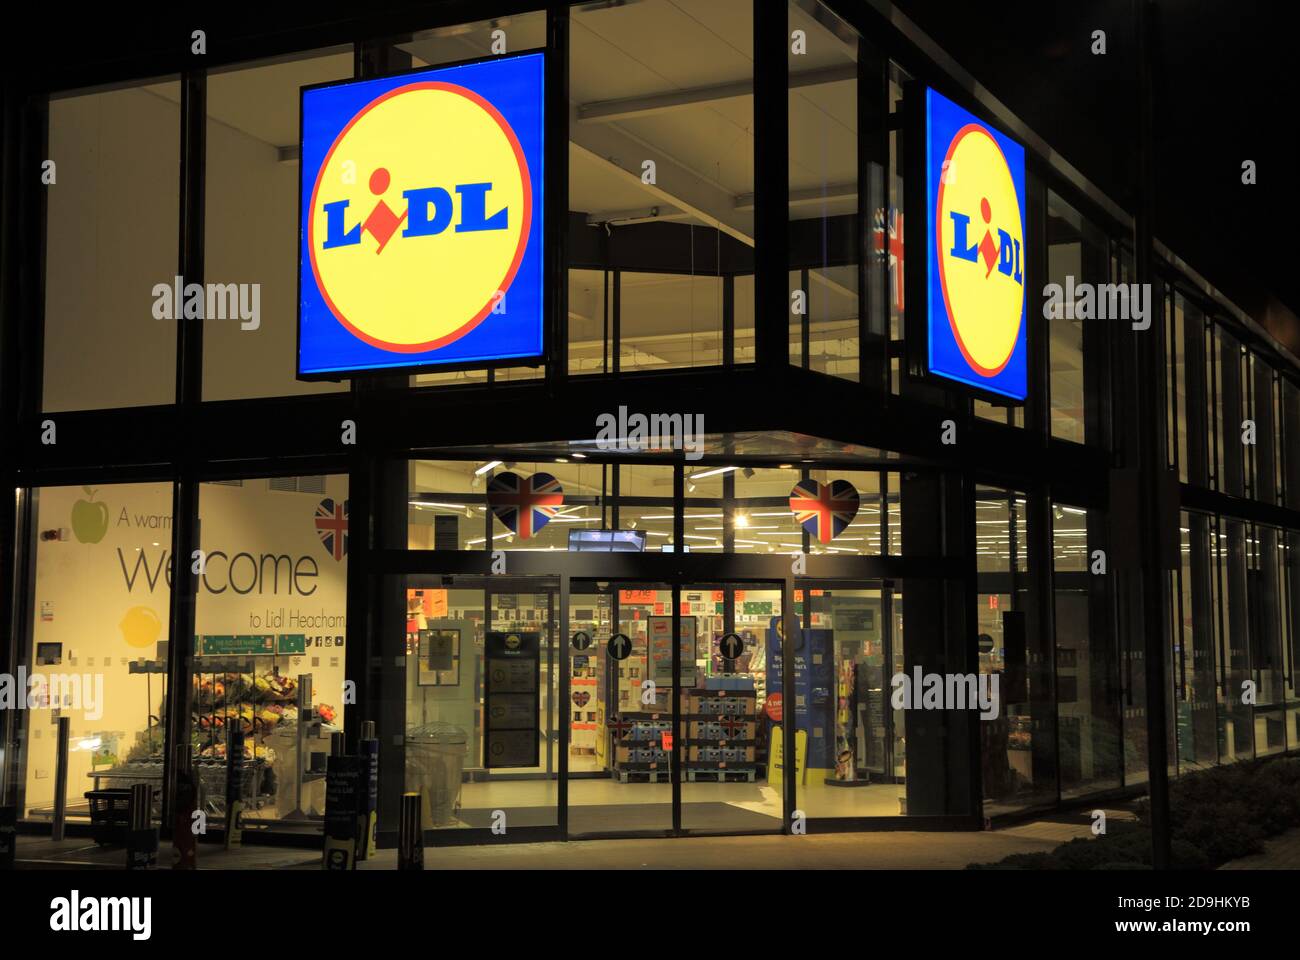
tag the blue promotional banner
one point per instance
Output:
(975, 228)
(813, 701)
(420, 224)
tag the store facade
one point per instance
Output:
(725, 192)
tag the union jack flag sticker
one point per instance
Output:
(525, 504)
(824, 509)
(332, 526)
(890, 244)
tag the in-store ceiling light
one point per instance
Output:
(710, 473)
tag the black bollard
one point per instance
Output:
(141, 834)
(60, 781)
(410, 834)
(8, 837)
(184, 842)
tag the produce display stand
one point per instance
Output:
(226, 690)
(639, 754)
(721, 734)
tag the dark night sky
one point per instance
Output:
(1225, 84)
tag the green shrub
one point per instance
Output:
(1215, 815)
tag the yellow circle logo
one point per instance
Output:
(420, 216)
(980, 237)
(140, 626)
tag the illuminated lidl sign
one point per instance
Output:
(420, 227)
(975, 198)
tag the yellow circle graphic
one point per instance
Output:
(420, 216)
(980, 250)
(140, 626)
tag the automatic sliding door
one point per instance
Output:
(481, 720)
(730, 734)
(620, 708)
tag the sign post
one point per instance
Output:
(234, 786)
(8, 837)
(368, 792)
(342, 785)
(141, 834)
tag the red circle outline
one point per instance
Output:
(524, 232)
(938, 252)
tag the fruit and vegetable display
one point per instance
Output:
(252, 751)
(216, 689)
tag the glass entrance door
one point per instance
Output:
(620, 708)
(731, 715)
(481, 721)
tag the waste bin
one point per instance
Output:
(435, 761)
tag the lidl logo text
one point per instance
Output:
(428, 212)
(1004, 253)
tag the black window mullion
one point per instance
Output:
(556, 174)
(189, 394)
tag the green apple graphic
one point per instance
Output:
(90, 518)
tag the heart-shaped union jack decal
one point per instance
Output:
(332, 526)
(525, 504)
(824, 509)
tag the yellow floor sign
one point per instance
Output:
(776, 756)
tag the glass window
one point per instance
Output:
(270, 620)
(645, 502)
(1196, 683)
(1236, 733)
(589, 321)
(861, 778)
(1291, 445)
(661, 169)
(112, 221)
(894, 215)
(98, 641)
(250, 222)
(762, 521)
(1076, 254)
(1264, 580)
(1233, 401)
(669, 320)
(1291, 619)
(1016, 746)
(1087, 716)
(825, 245)
(1178, 384)
(453, 504)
